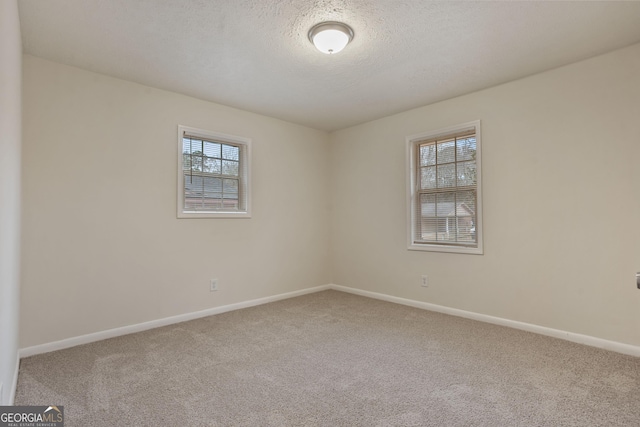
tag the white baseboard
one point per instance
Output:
(618, 347)
(14, 383)
(125, 330)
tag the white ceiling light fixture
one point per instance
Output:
(330, 37)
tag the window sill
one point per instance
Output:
(194, 214)
(443, 248)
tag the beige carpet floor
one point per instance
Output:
(334, 359)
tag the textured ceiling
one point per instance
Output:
(255, 55)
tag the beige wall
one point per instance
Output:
(561, 171)
(10, 140)
(102, 245)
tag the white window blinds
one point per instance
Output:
(214, 173)
(444, 190)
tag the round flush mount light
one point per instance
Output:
(330, 37)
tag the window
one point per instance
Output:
(213, 174)
(444, 194)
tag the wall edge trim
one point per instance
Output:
(14, 383)
(618, 347)
(139, 327)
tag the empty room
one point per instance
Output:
(320, 212)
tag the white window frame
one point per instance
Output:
(412, 142)
(245, 173)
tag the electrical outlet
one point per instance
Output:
(425, 281)
(214, 285)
